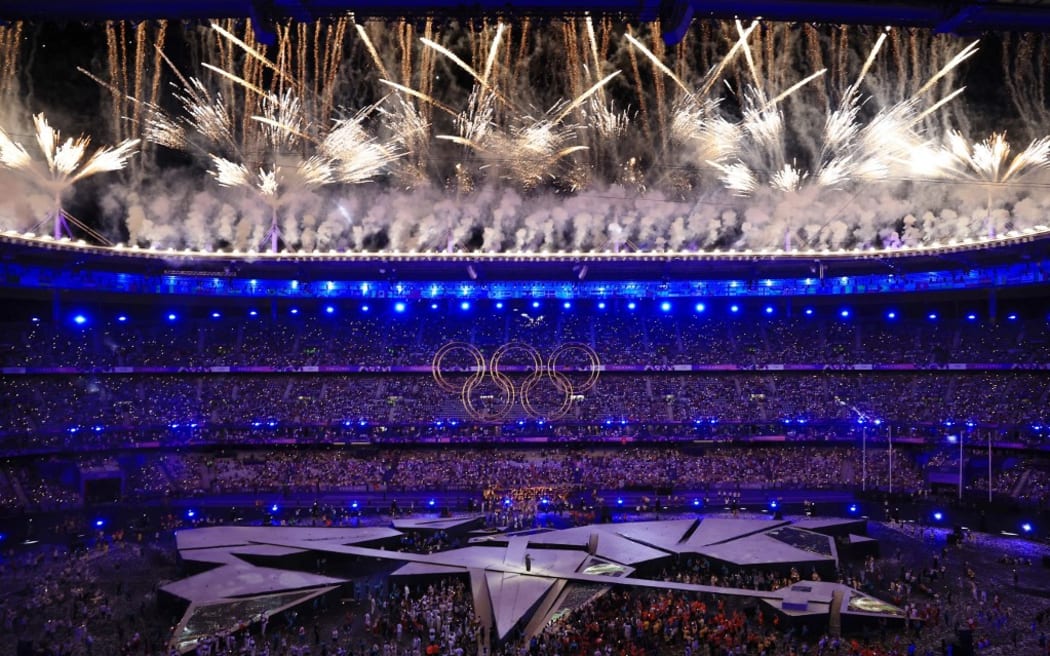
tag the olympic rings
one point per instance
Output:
(536, 370)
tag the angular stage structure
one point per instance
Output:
(520, 581)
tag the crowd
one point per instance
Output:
(620, 336)
(716, 471)
(110, 411)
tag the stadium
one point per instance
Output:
(659, 328)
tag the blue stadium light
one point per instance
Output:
(1012, 317)
(700, 307)
(98, 429)
(932, 316)
(399, 307)
(632, 305)
(295, 284)
(465, 305)
(215, 315)
(365, 308)
(734, 308)
(499, 305)
(431, 503)
(696, 503)
(80, 320)
(665, 306)
(172, 316)
(938, 515)
(567, 305)
(972, 317)
(1026, 527)
(122, 318)
(535, 304)
(294, 310)
(891, 315)
(354, 505)
(190, 513)
(507, 502)
(853, 509)
(433, 306)
(328, 309)
(844, 313)
(769, 309)
(253, 313)
(619, 501)
(601, 305)
(877, 422)
(100, 523)
(808, 312)
(545, 501)
(274, 508)
(35, 319)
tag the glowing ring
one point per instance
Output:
(442, 353)
(595, 369)
(560, 382)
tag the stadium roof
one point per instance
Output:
(955, 17)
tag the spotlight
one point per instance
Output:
(734, 308)
(932, 316)
(365, 308)
(808, 312)
(122, 318)
(853, 509)
(601, 305)
(399, 307)
(294, 310)
(465, 305)
(172, 317)
(972, 317)
(353, 504)
(700, 307)
(80, 320)
(499, 305)
(769, 309)
(274, 508)
(938, 515)
(215, 315)
(329, 309)
(253, 313)
(844, 313)
(632, 305)
(99, 523)
(1026, 527)
(431, 503)
(190, 513)
(665, 306)
(619, 501)
(567, 305)
(891, 315)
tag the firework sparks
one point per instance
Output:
(63, 163)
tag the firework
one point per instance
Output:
(64, 163)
